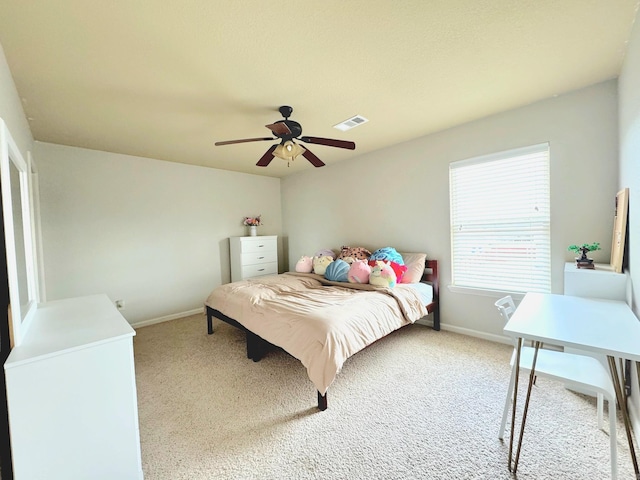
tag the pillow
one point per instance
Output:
(351, 254)
(415, 267)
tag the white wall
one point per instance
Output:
(152, 233)
(399, 196)
(629, 131)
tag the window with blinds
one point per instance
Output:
(500, 221)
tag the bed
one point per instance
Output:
(319, 322)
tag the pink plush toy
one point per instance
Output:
(359, 272)
(305, 264)
(382, 275)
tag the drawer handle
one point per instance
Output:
(261, 269)
(260, 258)
(260, 246)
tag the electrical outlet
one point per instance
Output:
(119, 304)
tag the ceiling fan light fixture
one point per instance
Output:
(288, 151)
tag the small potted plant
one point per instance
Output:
(582, 261)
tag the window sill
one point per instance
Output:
(485, 292)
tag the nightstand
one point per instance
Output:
(253, 256)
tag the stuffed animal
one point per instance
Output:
(337, 271)
(351, 254)
(326, 253)
(387, 253)
(320, 264)
(392, 257)
(305, 264)
(359, 272)
(382, 275)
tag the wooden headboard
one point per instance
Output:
(431, 276)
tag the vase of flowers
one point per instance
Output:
(253, 223)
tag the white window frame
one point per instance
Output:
(501, 222)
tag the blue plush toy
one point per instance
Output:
(388, 254)
(337, 271)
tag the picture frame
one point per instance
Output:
(619, 230)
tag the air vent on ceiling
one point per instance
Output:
(350, 123)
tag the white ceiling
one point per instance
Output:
(166, 80)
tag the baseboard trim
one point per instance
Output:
(476, 333)
(166, 318)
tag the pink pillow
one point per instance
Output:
(415, 263)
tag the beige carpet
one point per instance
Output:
(417, 404)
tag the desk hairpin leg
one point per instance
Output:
(622, 402)
(515, 398)
(532, 376)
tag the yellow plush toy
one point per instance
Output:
(320, 264)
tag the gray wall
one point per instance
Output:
(399, 196)
(629, 131)
(11, 110)
(152, 233)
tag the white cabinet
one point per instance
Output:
(71, 394)
(253, 256)
(599, 282)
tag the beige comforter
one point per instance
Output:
(316, 321)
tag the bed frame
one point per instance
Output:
(257, 347)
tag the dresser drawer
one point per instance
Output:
(258, 257)
(258, 245)
(257, 270)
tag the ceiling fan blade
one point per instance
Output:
(315, 161)
(279, 128)
(267, 157)
(331, 142)
(244, 140)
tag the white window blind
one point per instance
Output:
(500, 221)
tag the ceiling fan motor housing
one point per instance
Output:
(285, 111)
(295, 130)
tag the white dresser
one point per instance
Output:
(71, 394)
(253, 256)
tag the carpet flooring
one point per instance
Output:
(417, 404)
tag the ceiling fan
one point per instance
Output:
(288, 131)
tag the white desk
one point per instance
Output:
(606, 327)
